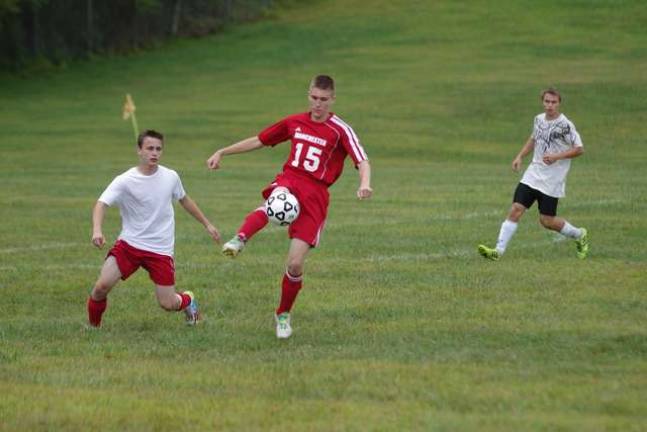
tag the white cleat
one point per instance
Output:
(283, 329)
(233, 247)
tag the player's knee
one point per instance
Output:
(516, 211)
(547, 221)
(100, 290)
(295, 267)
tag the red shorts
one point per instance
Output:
(313, 197)
(161, 268)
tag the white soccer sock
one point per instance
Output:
(570, 231)
(508, 228)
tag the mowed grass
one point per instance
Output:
(400, 326)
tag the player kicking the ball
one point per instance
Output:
(144, 195)
(555, 142)
(320, 143)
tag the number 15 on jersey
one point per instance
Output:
(311, 159)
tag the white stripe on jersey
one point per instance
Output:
(360, 155)
(325, 168)
(358, 150)
(321, 227)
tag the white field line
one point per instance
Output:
(472, 215)
(8, 268)
(216, 266)
(465, 216)
(460, 253)
(39, 247)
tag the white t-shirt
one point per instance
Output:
(146, 206)
(551, 136)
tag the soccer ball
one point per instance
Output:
(282, 208)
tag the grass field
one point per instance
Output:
(400, 326)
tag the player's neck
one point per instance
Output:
(146, 169)
(553, 116)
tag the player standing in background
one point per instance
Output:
(555, 142)
(144, 195)
(320, 143)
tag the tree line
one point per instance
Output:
(54, 31)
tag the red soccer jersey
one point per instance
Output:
(318, 149)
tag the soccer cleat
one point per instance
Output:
(191, 311)
(488, 253)
(233, 247)
(582, 244)
(283, 329)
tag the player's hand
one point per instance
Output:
(214, 161)
(516, 164)
(550, 159)
(98, 240)
(364, 192)
(213, 232)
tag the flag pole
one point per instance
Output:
(129, 113)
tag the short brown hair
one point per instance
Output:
(323, 82)
(552, 91)
(149, 133)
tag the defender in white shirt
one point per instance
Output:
(144, 195)
(555, 142)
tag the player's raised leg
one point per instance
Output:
(169, 299)
(508, 228)
(253, 223)
(290, 286)
(98, 299)
(562, 226)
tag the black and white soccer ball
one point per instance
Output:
(282, 208)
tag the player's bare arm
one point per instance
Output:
(527, 148)
(364, 191)
(572, 153)
(192, 208)
(248, 144)
(98, 213)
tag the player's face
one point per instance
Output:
(320, 103)
(551, 105)
(150, 151)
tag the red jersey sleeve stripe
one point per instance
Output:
(358, 150)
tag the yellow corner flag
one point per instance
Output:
(129, 113)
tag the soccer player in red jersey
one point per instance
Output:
(144, 195)
(320, 141)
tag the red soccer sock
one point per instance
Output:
(253, 223)
(186, 300)
(95, 310)
(289, 290)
